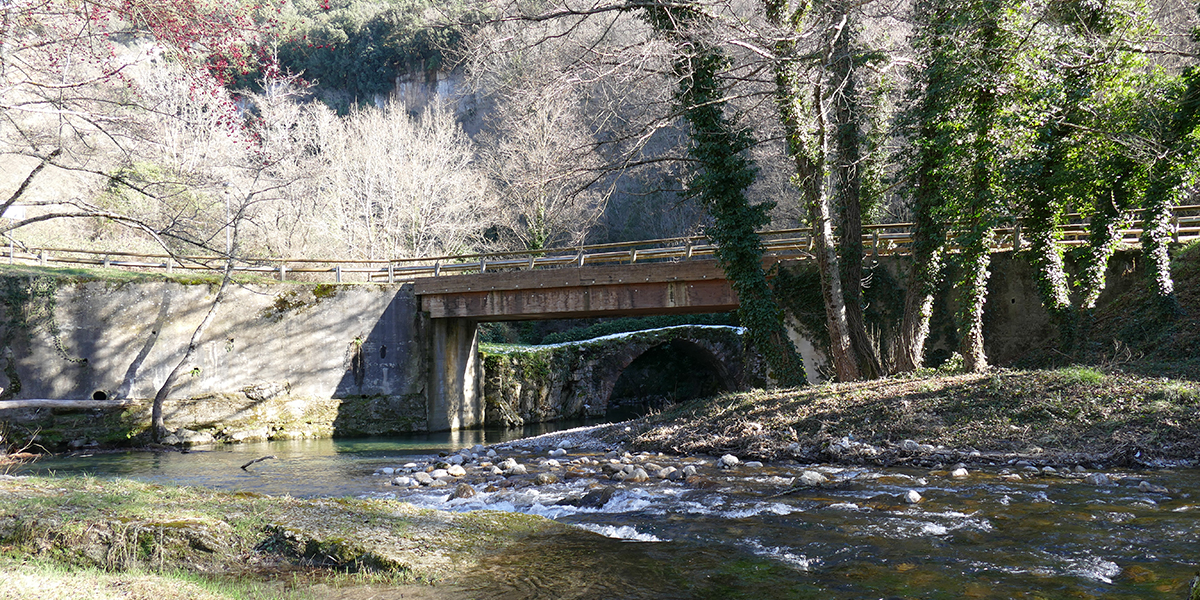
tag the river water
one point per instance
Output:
(1000, 532)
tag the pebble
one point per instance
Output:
(477, 449)
(912, 497)
(456, 471)
(439, 473)
(457, 459)
(422, 478)
(404, 481)
(728, 461)
(559, 452)
(491, 454)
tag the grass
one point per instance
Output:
(46, 580)
(54, 531)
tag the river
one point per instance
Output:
(1001, 531)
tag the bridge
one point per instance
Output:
(669, 276)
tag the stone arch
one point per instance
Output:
(725, 363)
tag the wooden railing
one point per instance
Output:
(878, 240)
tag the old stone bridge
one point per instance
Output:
(456, 304)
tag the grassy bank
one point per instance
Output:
(96, 538)
(1076, 413)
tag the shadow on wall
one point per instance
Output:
(383, 389)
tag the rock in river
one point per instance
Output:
(812, 478)
(463, 491)
(728, 461)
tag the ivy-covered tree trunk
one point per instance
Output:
(930, 102)
(928, 259)
(847, 183)
(807, 151)
(1156, 234)
(1177, 148)
(979, 212)
(720, 184)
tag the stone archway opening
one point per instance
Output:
(663, 375)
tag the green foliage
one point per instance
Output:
(359, 47)
(1081, 375)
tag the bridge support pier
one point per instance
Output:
(455, 391)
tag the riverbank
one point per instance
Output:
(149, 541)
(1071, 416)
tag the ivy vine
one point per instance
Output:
(719, 182)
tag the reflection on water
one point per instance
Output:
(303, 468)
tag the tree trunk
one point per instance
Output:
(847, 186)
(811, 171)
(158, 427)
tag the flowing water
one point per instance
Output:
(748, 532)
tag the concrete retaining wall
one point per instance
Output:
(278, 360)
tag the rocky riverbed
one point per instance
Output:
(588, 466)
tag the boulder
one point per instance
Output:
(463, 491)
(728, 461)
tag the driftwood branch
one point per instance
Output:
(268, 457)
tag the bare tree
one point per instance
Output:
(400, 186)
